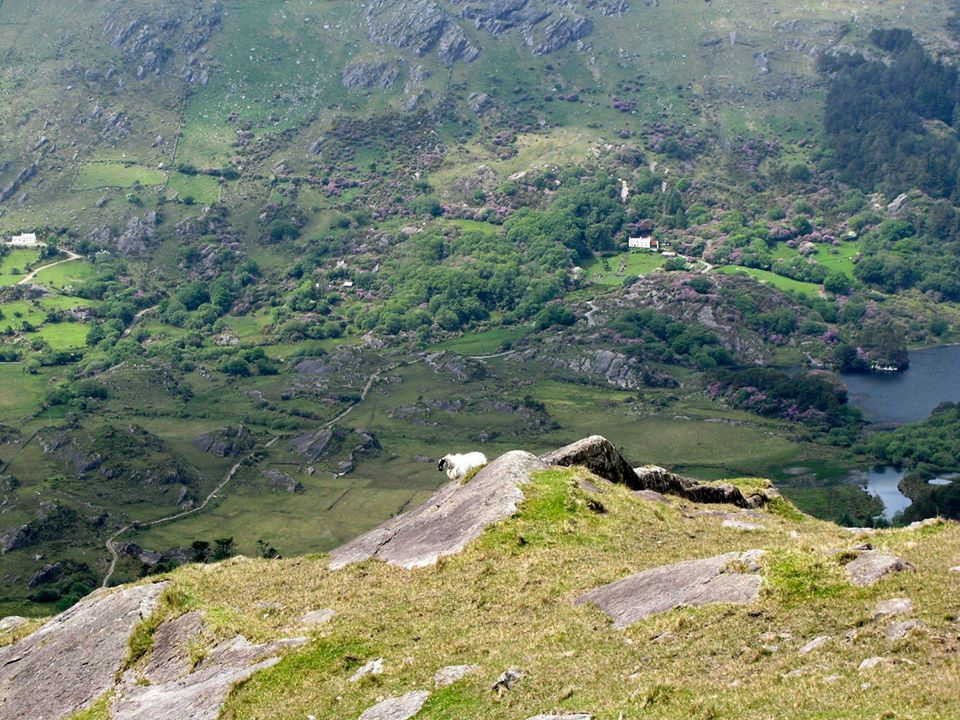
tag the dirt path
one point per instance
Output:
(111, 548)
(490, 357)
(71, 256)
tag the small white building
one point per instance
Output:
(644, 242)
(26, 240)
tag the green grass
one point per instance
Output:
(20, 311)
(102, 175)
(67, 274)
(778, 281)
(63, 336)
(486, 342)
(839, 259)
(21, 393)
(17, 260)
(202, 188)
(613, 270)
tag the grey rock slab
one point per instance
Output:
(742, 525)
(374, 667)
(873, 565)
(451, 518)
(693, 582)
(893, 606)
(955, 569)
(576, 716)
(398, 708)
(899, 630)
(814, 644)
(318, 617)
(872, 662)
(175, 690)
(652, 496)
(452, 673)
(71, 661)
(11, 622)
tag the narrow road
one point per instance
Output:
(111, 548)
(589, 314)
(491, 357)
(363, 396)
(136, 319)
(71, 256)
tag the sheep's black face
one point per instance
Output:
(442, 465)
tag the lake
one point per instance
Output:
(908, 396)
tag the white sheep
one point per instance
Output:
(459, 466)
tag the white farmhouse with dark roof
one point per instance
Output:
(25, 240)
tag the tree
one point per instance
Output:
(201, 551)
(224, 548)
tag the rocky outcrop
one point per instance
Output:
(451, 518)
(282, 481)
(420, 26)
(728, 578)
(361, 75)
(226, 442)
(71, 661)
(598, 455)
(173, 686)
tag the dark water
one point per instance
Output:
(908, 396)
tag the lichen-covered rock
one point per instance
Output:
(68, 663)
(283, 481)
(451, 518)
(873, 565)
(226, 442)
(693, 582)
(398, 708)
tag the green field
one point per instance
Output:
(68, 274)
(94, 176)
(203, 189)
(20, 311)
(838, 259)
(486, 342)
(17, 260)
(613, 270)
(63, 336)
(20, 393)
(778, 281)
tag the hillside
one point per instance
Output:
(288, 252)
(771, 613)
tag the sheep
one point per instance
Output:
(459, 466)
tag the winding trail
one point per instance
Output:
(71, 256)
(111, 548)
(589, 314)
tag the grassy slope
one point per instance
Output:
(507, 601)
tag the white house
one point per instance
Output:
(644, 242)
(26, 240)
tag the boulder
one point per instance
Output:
(452, 673)
(374, 667)
(318, 617)
(693, 582)
(508, 678)
(894, 606)
(398, 708)
(70, 662)
(814, 644)
(899, 630)
(600, 457)
(12, 622)
(873, 565)
(451, 518)
(226, 442)
(283, 481)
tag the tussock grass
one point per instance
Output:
(507, 601)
